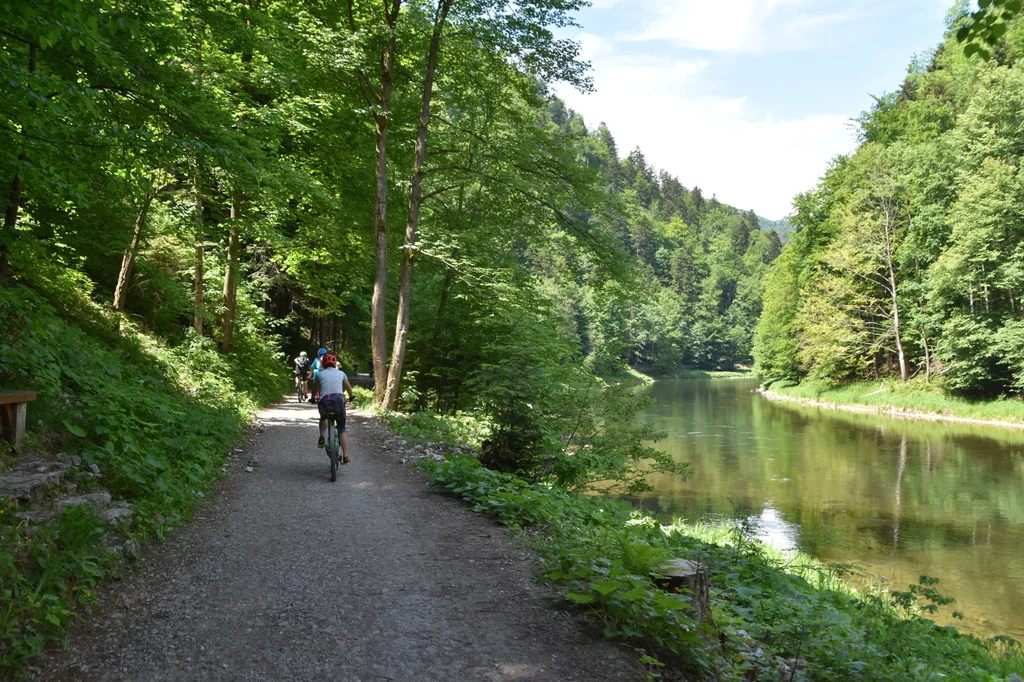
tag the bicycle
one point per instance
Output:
(300, 390)
(333, 444)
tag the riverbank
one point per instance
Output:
(774, 615)
(771, 615)
(633, 375)
(902, 401)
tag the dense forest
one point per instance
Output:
(234, 172)
(195, 191)
(908, 260)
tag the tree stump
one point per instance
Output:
(689, 578)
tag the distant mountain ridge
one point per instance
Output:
(783, 227)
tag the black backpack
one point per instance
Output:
(304, 364)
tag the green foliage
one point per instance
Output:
(907, 258)
(983, 29)
(774, 616)
(44, 577)
(156, 420)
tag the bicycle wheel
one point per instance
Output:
(332, 450)
(298, 391)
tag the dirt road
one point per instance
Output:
(287, 576)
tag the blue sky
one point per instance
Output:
(747, 99)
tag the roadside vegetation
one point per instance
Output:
(772, 616)
(149, 423)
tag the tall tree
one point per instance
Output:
(440, 17)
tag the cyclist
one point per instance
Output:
(316, 370)
(332, 382)
(302, 368)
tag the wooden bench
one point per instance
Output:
(13, 405)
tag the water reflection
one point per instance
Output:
(900, 498)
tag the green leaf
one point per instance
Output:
(580, 598)
(76, 430)
(605, 587)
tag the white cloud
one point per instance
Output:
(748, 26)
(749, 159)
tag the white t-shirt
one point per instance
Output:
(332, 380)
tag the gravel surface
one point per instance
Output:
(286, 576)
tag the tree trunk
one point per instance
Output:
(378, 325)
(14, 197)
(413, 221)
(231, 275)
(128, 260)
(197, 296)
(927, 358)
(893, 290)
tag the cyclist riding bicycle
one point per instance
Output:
(316, 370)
(302, 369)
(332, 384)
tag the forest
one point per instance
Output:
(196, 190)
(908, 259)
(241, 173)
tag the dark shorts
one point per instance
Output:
(333, 403)
(301, 374)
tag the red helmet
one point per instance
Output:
(330, 360)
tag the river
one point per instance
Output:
(899, 498)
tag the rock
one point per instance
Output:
(239, 450)
(437, 458)
(24, 486)
(100, 499)
(249, 469)
(37, 516)
(118, 514)
(70, 460)
(93, 469)
(159, 519)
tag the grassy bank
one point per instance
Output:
(914, 398)
(635, 375)
(154, 421)
(773, 616)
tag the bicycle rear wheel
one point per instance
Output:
(332, 449)
(298, 391)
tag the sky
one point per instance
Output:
(747, 99)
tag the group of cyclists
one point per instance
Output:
(330, 385)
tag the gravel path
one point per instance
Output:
(287, 576)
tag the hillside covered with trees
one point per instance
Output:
(909, 255)
(194, 191)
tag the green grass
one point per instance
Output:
(157, 420)
(768, 609)
(915, 396)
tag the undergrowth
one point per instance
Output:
(157, 421)
(772, 617)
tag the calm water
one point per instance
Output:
(898, 498)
